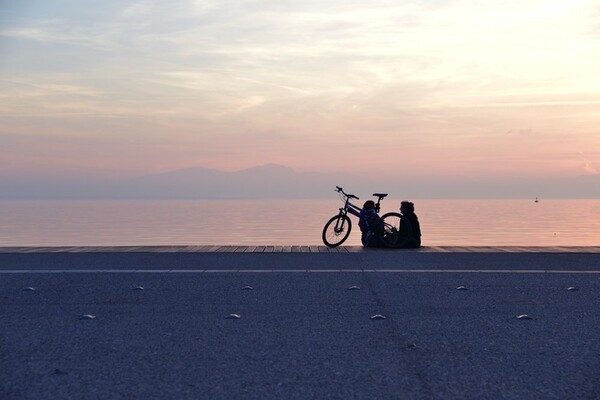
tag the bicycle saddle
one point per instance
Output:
(380, 195)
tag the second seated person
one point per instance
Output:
(413, 231)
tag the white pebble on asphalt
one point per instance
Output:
(523, 316)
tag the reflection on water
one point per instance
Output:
(289, 222)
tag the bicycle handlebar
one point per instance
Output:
(350, 196)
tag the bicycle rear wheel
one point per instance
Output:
(396, 230)
(336, 230)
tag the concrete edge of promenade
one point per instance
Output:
(204, 259)
(294, 249)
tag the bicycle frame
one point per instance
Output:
(353, 209)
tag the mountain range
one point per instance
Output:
(274, 181)
(261, 182)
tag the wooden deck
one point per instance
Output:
(297, 249)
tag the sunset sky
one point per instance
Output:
(434, 89)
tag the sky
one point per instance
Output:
(434, 90)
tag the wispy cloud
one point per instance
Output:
(588, 168)
(424, 79)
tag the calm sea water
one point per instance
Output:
(289, 222)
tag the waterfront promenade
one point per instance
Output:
(305, 327)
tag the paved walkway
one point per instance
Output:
(305, 328)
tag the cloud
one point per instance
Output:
(588, 168)
(138, 10)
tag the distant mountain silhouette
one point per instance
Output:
(261, 182)
(274, 181)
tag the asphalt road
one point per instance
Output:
(302, 333)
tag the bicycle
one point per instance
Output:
(395, 226)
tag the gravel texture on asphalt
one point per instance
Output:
(300, 335)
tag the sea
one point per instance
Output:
(516, 222)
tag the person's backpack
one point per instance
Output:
(371, 227)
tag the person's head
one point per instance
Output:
(369, 205)
(407, 207)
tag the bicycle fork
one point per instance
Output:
(341, 221)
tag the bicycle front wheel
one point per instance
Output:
(396, 230)
(336, 230)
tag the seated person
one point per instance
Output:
(370, 225)
(407, 209)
